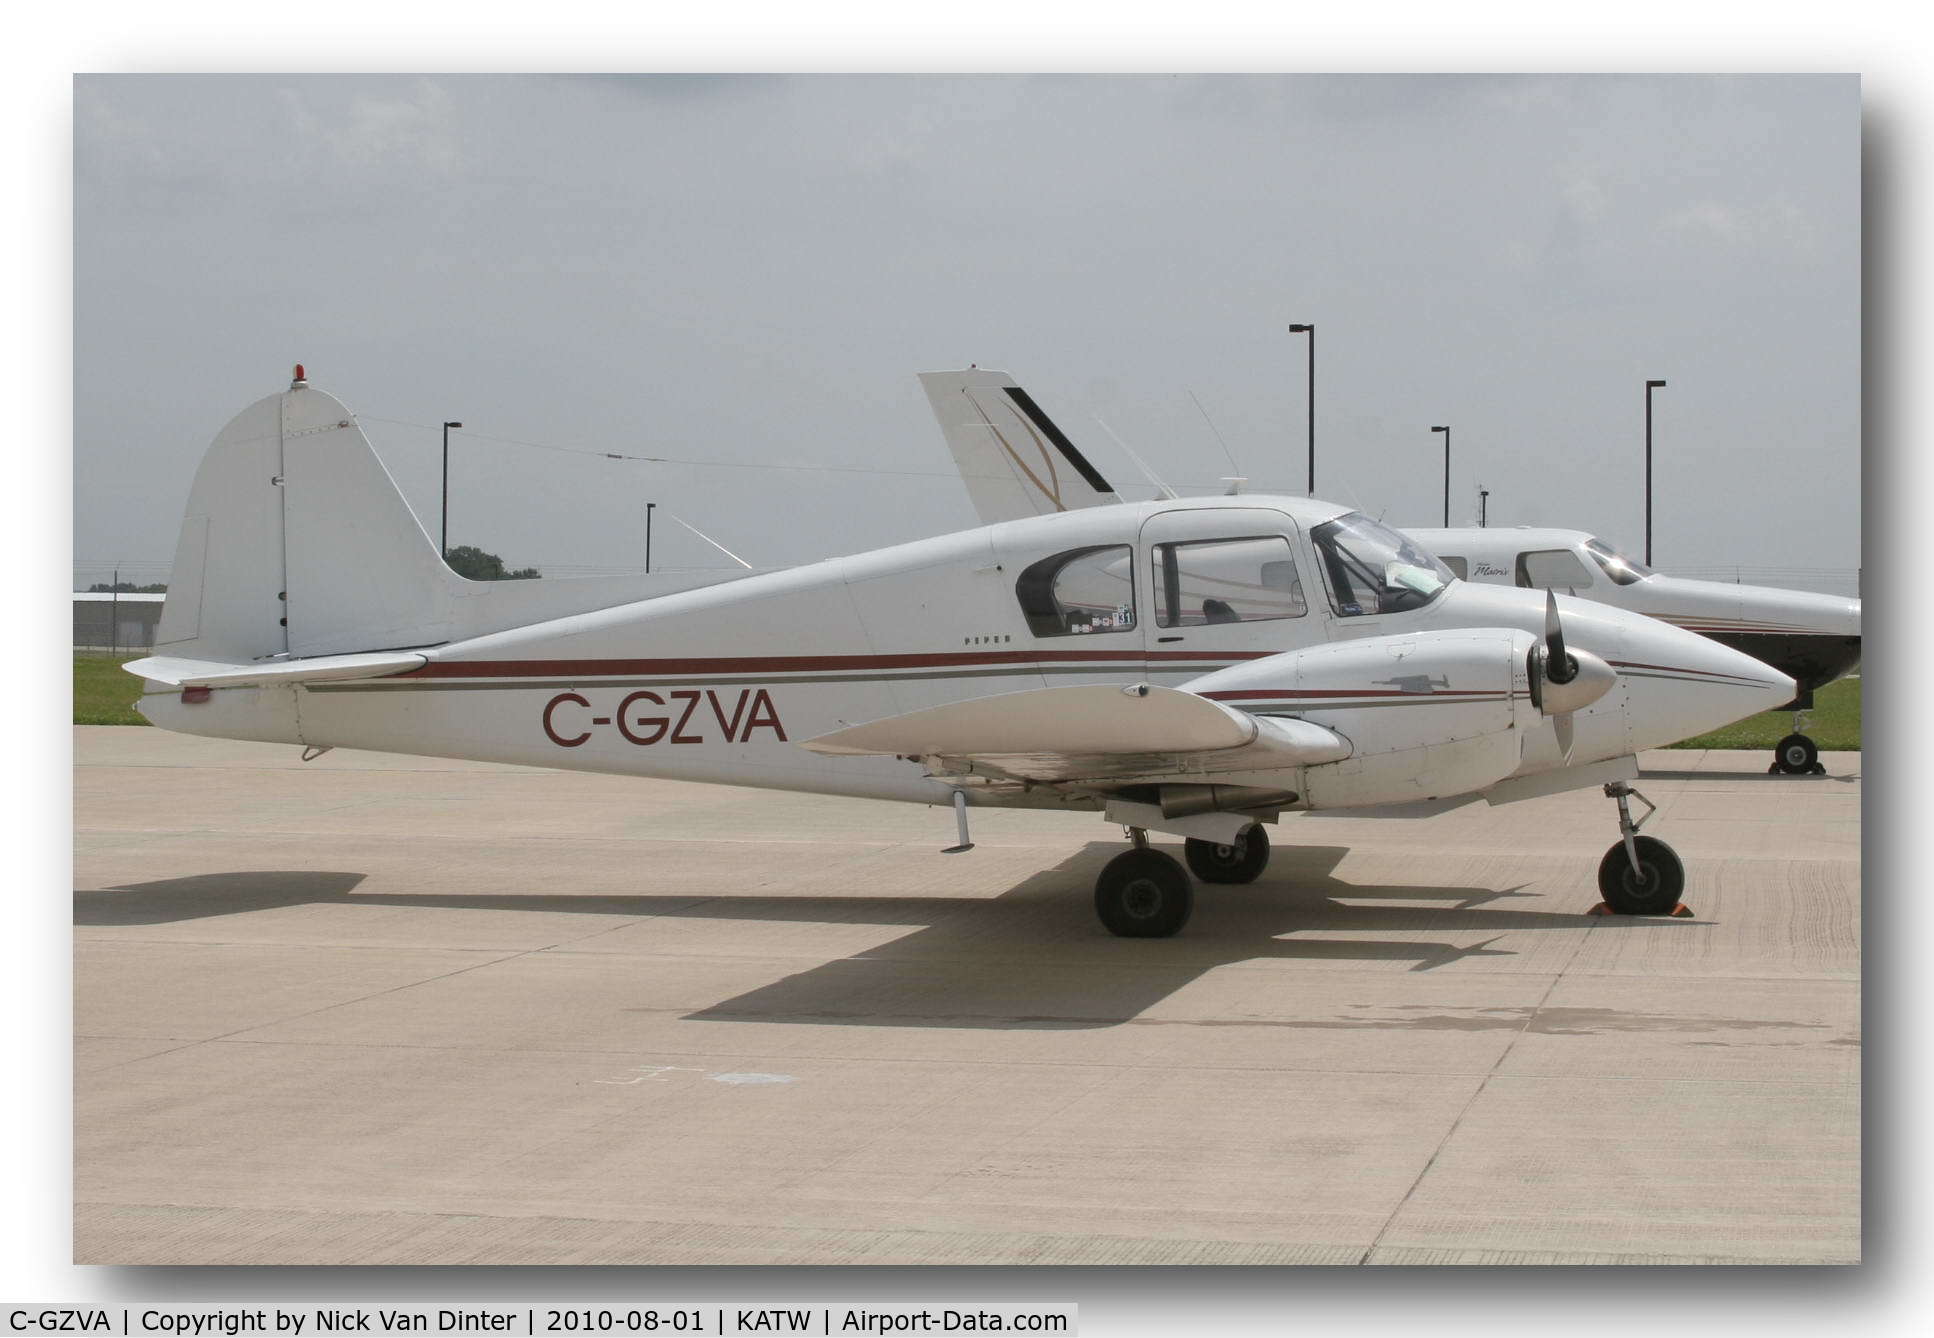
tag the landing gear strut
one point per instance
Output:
(1143, 893)
(1640, 875)
(1796, 754)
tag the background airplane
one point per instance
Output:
(1811, 638)
(1190, 667)
(1016, 463)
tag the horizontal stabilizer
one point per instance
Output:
(1093, 718)
(173, 672)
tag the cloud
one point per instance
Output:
(416, 131)
(1709, 217)
(1776, 222)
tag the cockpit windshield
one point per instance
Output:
(1371, 568)
(1623, 570)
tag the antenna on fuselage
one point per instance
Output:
(1234, 468)
(714, 542)
(1163, 493)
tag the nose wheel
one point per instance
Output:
(1796, 754)
(1640, 875)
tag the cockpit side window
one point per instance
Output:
(1081, 591)
(1552, 569)
(1226, 581)
(1623, 570)
(1459, 567)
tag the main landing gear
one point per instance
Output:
(1796, 754)
(1145, 893)
(1640, 875)
(1242, 862)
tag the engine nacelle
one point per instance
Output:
(1427, 714)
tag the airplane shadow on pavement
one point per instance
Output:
(1032, 957)
(1750, 774)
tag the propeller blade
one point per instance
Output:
(1559, 667)
(1561, 725)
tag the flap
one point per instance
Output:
(173, 672)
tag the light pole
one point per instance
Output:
(1483, 497)
(1310, 400)
(1650, 386)
(445, 550)
(648, 511)
(1446, 432)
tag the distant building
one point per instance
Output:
(111, 622)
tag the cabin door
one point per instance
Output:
(1219, 585)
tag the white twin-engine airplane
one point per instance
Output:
(1194, 668)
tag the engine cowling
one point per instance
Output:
(1427, 714)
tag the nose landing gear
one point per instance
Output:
(1640, 875)
(1796, 754)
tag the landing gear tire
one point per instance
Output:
(1654, 889)
(1240, 862)
(1143, 893)
(1797, 755)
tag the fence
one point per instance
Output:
(1820, 580)
(126, 622)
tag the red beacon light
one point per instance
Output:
(301, 378)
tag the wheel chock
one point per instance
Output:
(1678, 912)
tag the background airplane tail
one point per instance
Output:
(1015, 461)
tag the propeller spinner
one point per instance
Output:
(1564, 681)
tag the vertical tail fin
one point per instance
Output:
(1013, 459)
(297, 542)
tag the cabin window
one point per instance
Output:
(1226, 581)
(1080, 592)
(1623, 570)
(1370, 568)
(1552, 569)
(1459, 567)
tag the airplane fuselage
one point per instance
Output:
(723, 684)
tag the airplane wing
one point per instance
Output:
(1093, 732)
(1015, 462)
(171, 671)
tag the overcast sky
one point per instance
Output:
(750, 271)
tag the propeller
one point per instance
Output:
(1565, 681)
(1560, 668)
